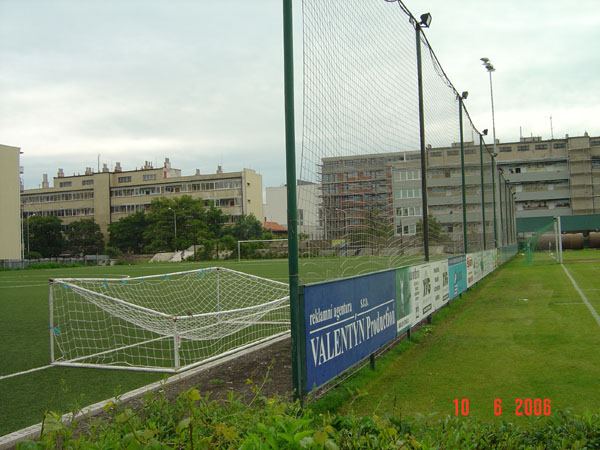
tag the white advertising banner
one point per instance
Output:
(428, 288)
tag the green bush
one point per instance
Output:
(33, 255)
(194, 421)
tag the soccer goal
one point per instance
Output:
(543, 245)
(166, 323)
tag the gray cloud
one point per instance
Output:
(202, 82)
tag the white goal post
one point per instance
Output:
(257, 241)
(167, 323)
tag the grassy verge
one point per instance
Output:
(521, 333)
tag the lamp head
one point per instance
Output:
(464, 95)
(484, 60)
(425, 20)
(485, 132)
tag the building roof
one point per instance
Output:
(274, 227)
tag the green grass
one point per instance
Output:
(24, 334)
(522, 333)
(492, 343)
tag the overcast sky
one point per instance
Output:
(201, 81)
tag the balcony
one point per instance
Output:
(536, 176)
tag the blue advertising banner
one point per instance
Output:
(346, 321)
(457, 276)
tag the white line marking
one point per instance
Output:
(16, 374)
(582, 295)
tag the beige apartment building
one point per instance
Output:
(553, 177)
(10, 216)
(109, 195)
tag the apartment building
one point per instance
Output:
(10, 217)
(547, 177)
(275, 207)
(553, 177)
(107, 196)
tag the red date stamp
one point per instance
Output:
(522, 407)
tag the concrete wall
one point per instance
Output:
(10, 205)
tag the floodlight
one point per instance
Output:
(485, 60)
(464, 95)
(485, 132)
(425, 20)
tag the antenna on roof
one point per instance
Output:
(551, 128)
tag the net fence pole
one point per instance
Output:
(51, 318)
(292, 209)
(482, 190)
(494, 200)
(507, 212)
(462, 174)
(239, 254)
(501, 206)
(425, 213)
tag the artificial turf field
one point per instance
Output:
(492, 343)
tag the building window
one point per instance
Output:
(541, 146)
(409, 230)
(506, 149)
(594, 142)
(408, 193)
(124, 179)
(87, 182)
(435, 154)
(559, 145)
(452, 152)
(149, 177)
(522, 148)
(66, 184)
(407, 174)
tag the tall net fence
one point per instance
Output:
(361, 177)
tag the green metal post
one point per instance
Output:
(292, 207)
(424, 207)
(494, 196)
(506, 213)
(462, 170)
(482, 187)
(500, 187)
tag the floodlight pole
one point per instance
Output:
(482, 189)
(494, 198)
(462, 171)
(425, 214)
(292, 207)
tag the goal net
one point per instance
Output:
(167, 322)
(541, 246)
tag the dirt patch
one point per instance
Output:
(269, 367)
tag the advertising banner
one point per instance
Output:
(440, 283)
(470, 272)
(345, 321)
(489, 261)
(477, 266)
(457, 275)
(405, 310)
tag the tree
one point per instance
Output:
(175, 224)
(45, 235)
(436, 231)
(247, 228)
(84, 237)
(127, 234)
